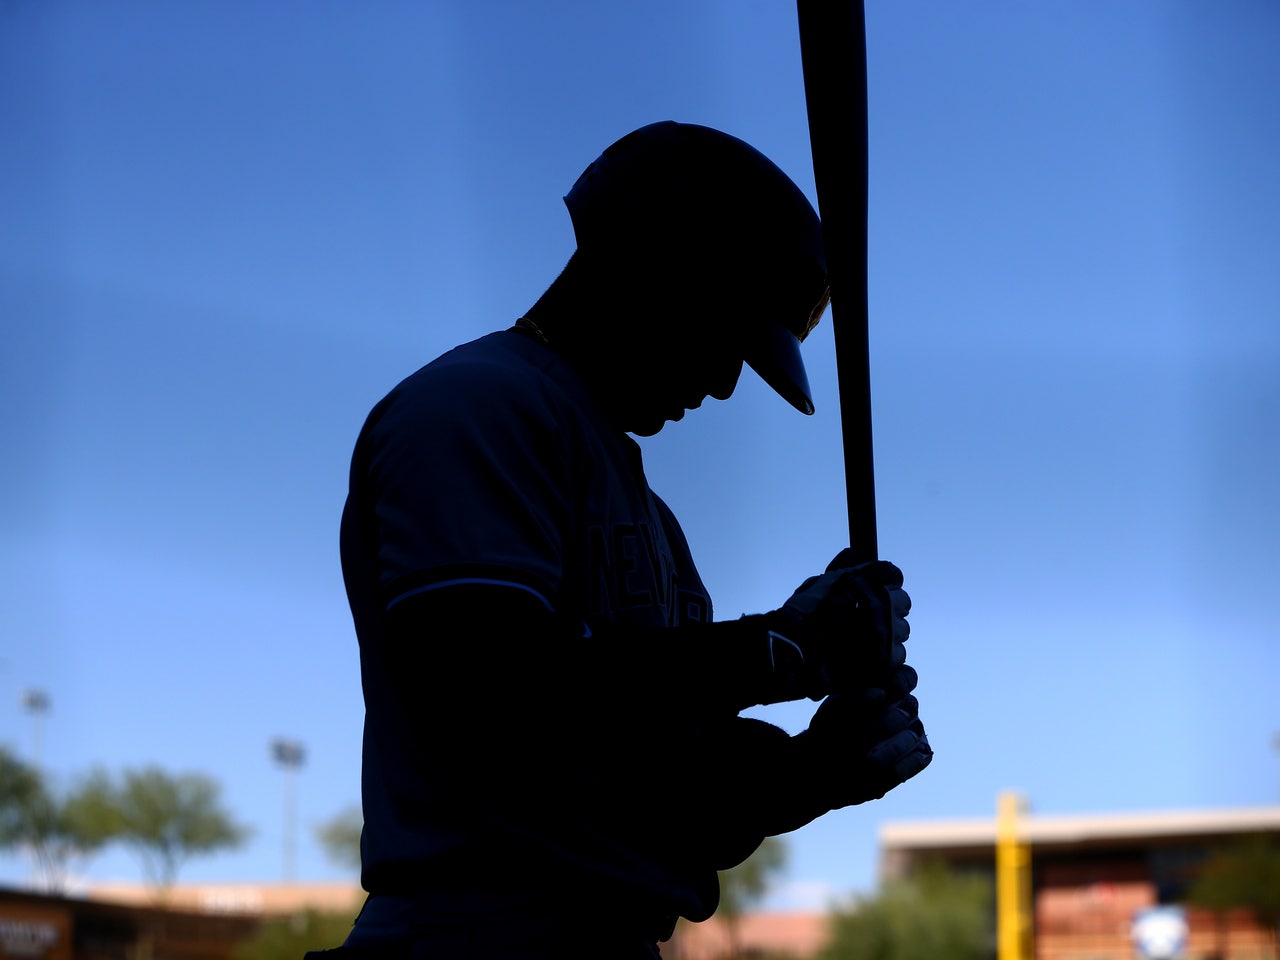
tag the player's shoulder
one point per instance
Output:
(501, 376)
(503, 360)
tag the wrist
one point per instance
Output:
(797, 672)
(760, 661)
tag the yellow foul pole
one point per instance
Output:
(1013, 881)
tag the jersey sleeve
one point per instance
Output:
(467, 483)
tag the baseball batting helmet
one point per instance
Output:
(679, 193)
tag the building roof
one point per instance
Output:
(255, 899)
(904, 841)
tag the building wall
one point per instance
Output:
(40, 927)
(1084, 910)
(798, 935)
(1234, 936)
(1092, 873)
(34, 931)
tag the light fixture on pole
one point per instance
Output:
(37, 704)
(289, 755)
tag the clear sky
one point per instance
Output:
(227, 229)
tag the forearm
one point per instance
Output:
(507, 642)
(720, 667)
(514, 702)
(743, 780)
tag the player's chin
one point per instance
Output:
(648, 426)
(647, 429)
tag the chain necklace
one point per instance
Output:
(524, 323)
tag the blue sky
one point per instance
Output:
(227, 230)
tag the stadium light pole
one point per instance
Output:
(36, 703)
(289, 755)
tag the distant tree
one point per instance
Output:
(57, 829)
(1244, 876)
(933, 914)
(288, 938)
(339, 837)
(167, 819)
(69, 828)
(745, 885)
(19, 785)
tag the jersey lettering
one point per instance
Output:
(631, 571)
(694, 607)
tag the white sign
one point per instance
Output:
(1160, 933)
(26, 938)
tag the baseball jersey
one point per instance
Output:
(492, 467)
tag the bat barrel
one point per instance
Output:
(833, 52)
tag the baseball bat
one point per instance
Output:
(834, 57)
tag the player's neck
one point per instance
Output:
(595, 325)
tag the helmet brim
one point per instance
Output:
(773, 352)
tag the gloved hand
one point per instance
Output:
(859, 746)
(841, 631)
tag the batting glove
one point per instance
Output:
(860, 746)
(841, 631)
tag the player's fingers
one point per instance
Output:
(896, 718)
(891, 751)
(899, 601)
(883, 573)
(915, 761)
(844, 560)
(901, 630)
(900, 682)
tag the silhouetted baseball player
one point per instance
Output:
(554, 761)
